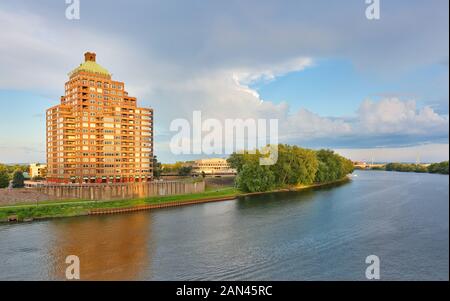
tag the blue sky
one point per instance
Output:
(333, 78)
(334, 87)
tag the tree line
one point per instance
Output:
(441, 168)
(14, 173)
(179, 168)
(295, 166)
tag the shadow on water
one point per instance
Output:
(287, 197)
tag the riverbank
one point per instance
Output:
(69, 208)
(434, 168)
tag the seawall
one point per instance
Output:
(121, 191)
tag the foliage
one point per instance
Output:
(10, 169)
(255, 177)
(295, 166)
(377, 168)
(157, 168)
(167, 168)
(408, 167)
(180, 168)
(332, 166)
(237, 160)
(185, 170)
(441, 168)
(18, 179)
(4, 178)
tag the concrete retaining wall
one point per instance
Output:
(121, 190)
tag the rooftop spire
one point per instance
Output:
(89, 56)
(90, 65)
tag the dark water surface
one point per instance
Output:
(320, 234)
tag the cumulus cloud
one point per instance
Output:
(391, 115)
(304, 125)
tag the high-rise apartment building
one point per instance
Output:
(98, 134)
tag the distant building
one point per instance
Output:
(359, 164)
(98, 133)
(38, 170)
(215, 166)
(364, 165)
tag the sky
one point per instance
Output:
(369, 89)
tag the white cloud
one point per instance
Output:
(391, 115)
(270, 72)
(305, 125)
(37, 54)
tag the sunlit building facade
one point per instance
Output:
(213, 166)
(38, 170)
(98, 134)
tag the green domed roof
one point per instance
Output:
(90, 66)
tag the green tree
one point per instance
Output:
(284, 169)
(237, 160)
(294, 166)
(255, 178)
(332, 166)
(441, 168)
(328, 167)
(306, 165)
(4, 178)
(185, 170)
(18, 179)
(156, 168)
(347, 166)
(420, 168)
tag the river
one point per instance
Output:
(317, 234)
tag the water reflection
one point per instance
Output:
(109, 247)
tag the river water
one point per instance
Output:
(318, 234)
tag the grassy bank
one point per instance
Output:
(67, 208)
